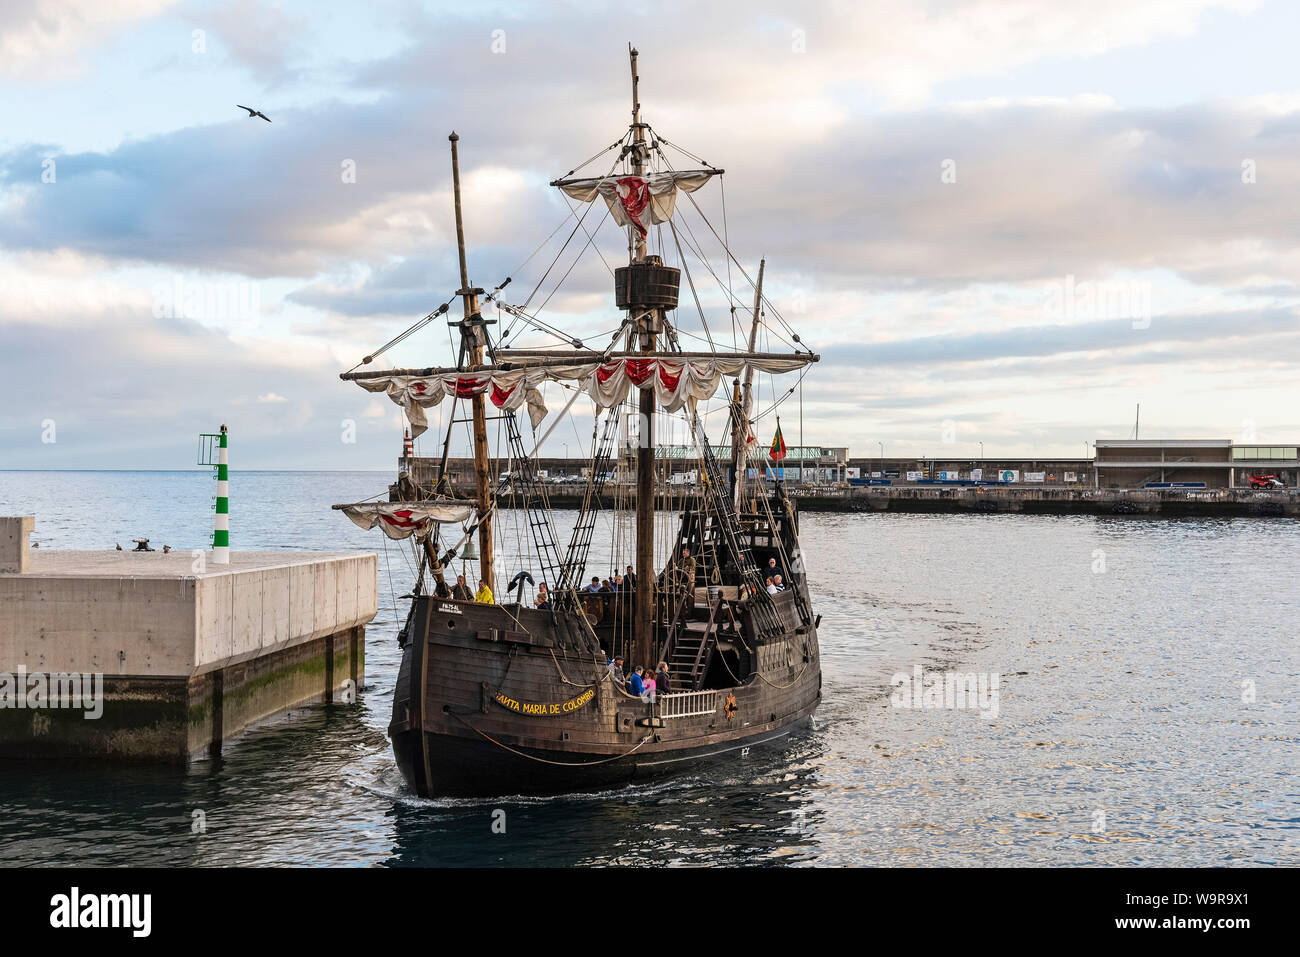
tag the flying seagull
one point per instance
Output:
(252, 112)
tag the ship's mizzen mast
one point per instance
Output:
(643, 637)
(473, 334)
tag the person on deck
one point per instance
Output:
(461, 592)
(780, 585)
(649, 686)
(543, 600)
(629, 578)
(484, 596)
(683, 581)
(594, 587)
(615, 666)
(634, 683)
(661, 679)
(440, 589)
(771, 587)
(773, 569)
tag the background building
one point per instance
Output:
(1118, 463)
(1051, 471)
(1133, 463)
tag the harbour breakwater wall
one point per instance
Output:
(1055, 501)
(995, 499)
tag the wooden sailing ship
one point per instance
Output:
(520, 696)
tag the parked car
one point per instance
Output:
(1266, 481)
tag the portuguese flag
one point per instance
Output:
(777, 451)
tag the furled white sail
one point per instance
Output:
(639, 201)
(404, 519)
(507, 390)
(675, 381)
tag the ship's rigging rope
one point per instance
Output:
(533, 757)
(572, 233)
(726, 247)
(414, 327)
(673, 497)
(690, 281)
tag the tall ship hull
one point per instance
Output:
(526, 675)
(489, 700)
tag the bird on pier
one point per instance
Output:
(119, 547)
(166, 549)
(252, 112)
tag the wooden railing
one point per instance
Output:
(686, 704)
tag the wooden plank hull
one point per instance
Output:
(466, 768)
(490, 701)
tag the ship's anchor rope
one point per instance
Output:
(564, 677)
(734, 677)
(783, 687)
(530, 757)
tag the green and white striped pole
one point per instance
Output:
(221, 521)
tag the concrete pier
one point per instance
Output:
(187, 654)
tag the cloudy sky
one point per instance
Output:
(998, 221)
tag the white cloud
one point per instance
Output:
(47, 39)
(833, 172)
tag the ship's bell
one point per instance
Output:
(470, 552)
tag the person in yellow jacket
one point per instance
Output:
(484, 596)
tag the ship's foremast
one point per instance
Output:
(473, 335)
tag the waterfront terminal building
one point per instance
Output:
(1116, 464)
(1218, 463)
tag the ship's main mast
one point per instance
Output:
(643, 647)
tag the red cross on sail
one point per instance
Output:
(638, 201)
(401, 519)
(634, 194)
